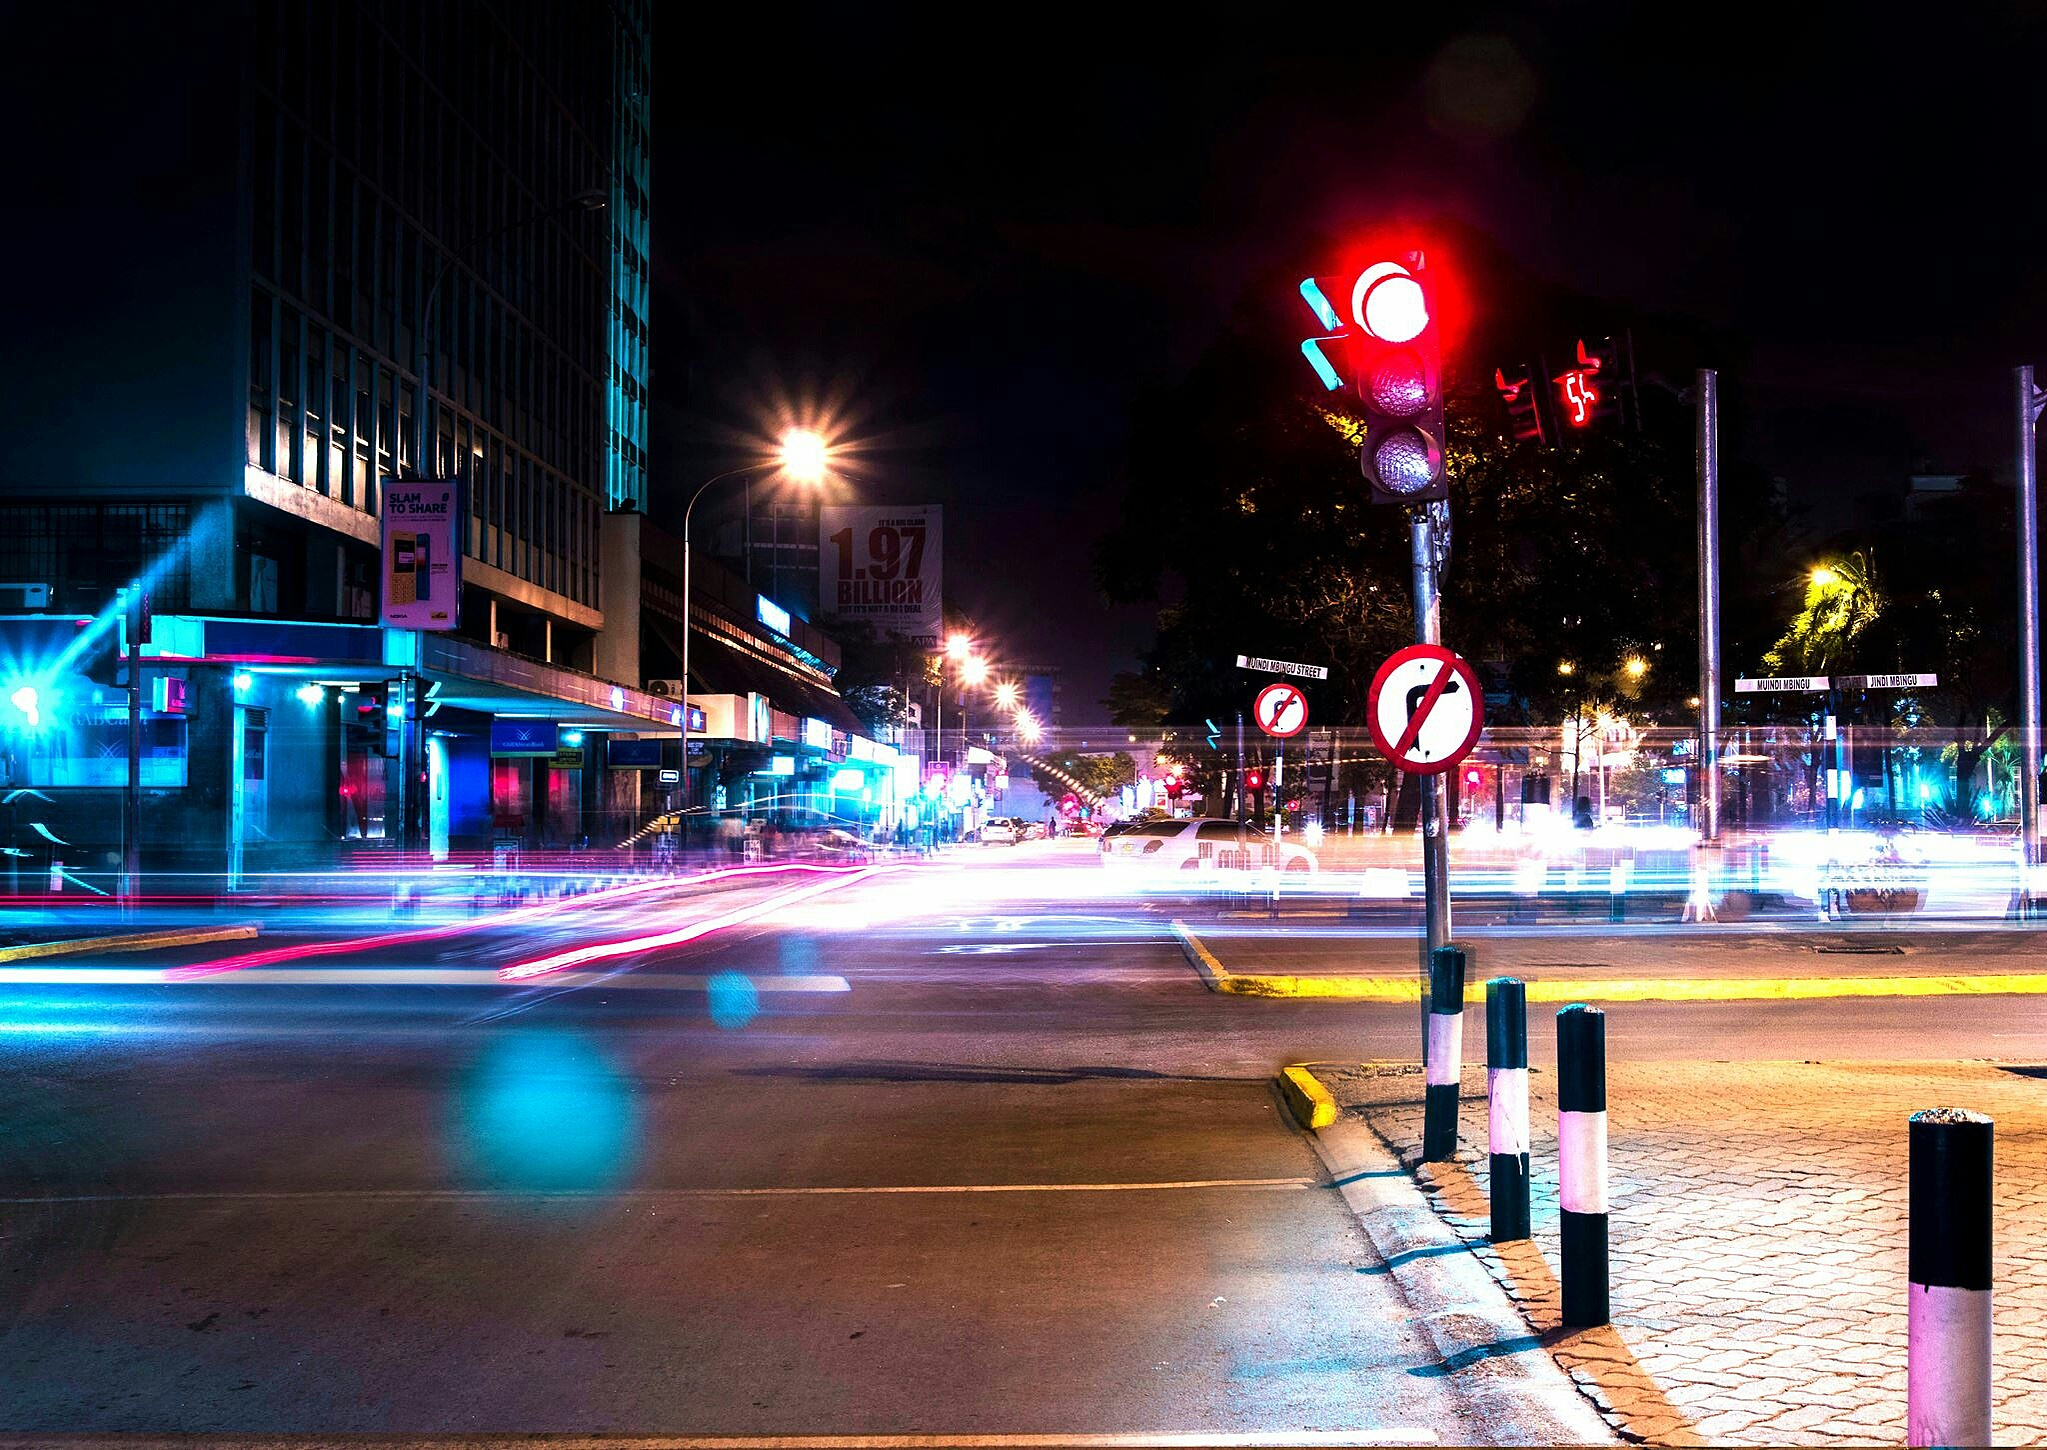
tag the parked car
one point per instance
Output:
(1000, 831)
(1203, 846)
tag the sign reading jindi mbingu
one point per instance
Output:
(880, 565)
(422, 558)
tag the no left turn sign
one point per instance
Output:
(1281, 710)
(1426, 709)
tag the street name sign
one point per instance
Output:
(1426, 709)
(1888, 682)
(1783, 685)
(1281, 711)
(1263, 666)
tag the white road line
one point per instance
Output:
(401, 977)
(1389, 1435)
(462, 1195)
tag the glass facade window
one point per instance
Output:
(373, 176)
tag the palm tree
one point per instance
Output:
(1842, 600)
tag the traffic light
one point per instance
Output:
(1174, 786)
(1473, 778)
(1397, 357)
(1254, 780)
(1590, 392)
(1523, 401)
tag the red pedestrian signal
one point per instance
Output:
(1473, 779)
(1590, 392)
(1253, 780)
(1173, 787)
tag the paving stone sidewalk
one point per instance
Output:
(1758, 1233)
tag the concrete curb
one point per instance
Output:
(1509, 1380)
(134, 941)
(1597, 1361)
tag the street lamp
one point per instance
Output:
(803, 456)
(1005, 695)
(1636, 667)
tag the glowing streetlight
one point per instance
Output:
(805, 455)
(1028, 729)
(975, 670)
(1005, 695)
(1636, 667)
(956, 647)
(1823, 576)
(1565, 667)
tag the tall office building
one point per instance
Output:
(281, 253)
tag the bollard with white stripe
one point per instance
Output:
(1581, 1163)
(1506, 1086)
(1947, 1354)
(1443, 1059)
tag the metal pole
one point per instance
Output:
(1243, 806)
(2029, 400)
(1709, 605)
(131, 797)
(1425, 524)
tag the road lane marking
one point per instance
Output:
(396, 977)
(1407, 990)
(1166, 1440)
(482, 1195)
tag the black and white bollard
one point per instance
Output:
(1443, 1054)
(1506, 1087)
(1947, 1355)
(1581, 1163)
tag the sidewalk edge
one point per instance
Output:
(1598, 1361)
(134, 941)
(1458, 1306)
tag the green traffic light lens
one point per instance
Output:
(1405, 461)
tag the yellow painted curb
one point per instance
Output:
(1606, 989)
(134, 941)
(1213, 973)
(1306, 1098)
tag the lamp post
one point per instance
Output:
(804, 456)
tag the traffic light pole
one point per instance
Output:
(1708, 406)
(2029, 400)
(1430, 535)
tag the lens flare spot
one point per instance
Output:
(546, 1113)
(735, 1001)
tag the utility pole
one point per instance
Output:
(2029, 400)
(1243, 806)
(1708, 407)
(131, 797)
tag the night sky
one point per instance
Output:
(977, 249)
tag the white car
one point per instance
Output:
(1001, 831)
(1204, 847)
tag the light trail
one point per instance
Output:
(606, 951)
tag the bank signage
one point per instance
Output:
(880, 565)
(422, 559)
(524, 737)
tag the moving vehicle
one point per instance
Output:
(1001, 831)
(1203, 846)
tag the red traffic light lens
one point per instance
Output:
(1406, 461)
(1399, 383)
(1253, 780)
(1388, 303)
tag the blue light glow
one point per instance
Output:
(735, 1001)
(545, 1112)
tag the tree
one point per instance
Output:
(1138, 698)
(1103, 775)
(1842, 600)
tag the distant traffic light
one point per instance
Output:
(1398, 360)
(1523, 401)
(1590, 392)
(1254, 780)
(1473, 778)
(1174, 785)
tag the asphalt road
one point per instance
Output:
(995, 1162)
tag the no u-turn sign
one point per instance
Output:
(1426, 709)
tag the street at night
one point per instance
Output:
(797, 729)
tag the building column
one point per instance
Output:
(617, 653)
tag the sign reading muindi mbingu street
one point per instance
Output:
(1783, 685)
(1263, 666)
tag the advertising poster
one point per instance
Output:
(422, 561)
(880, 565)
